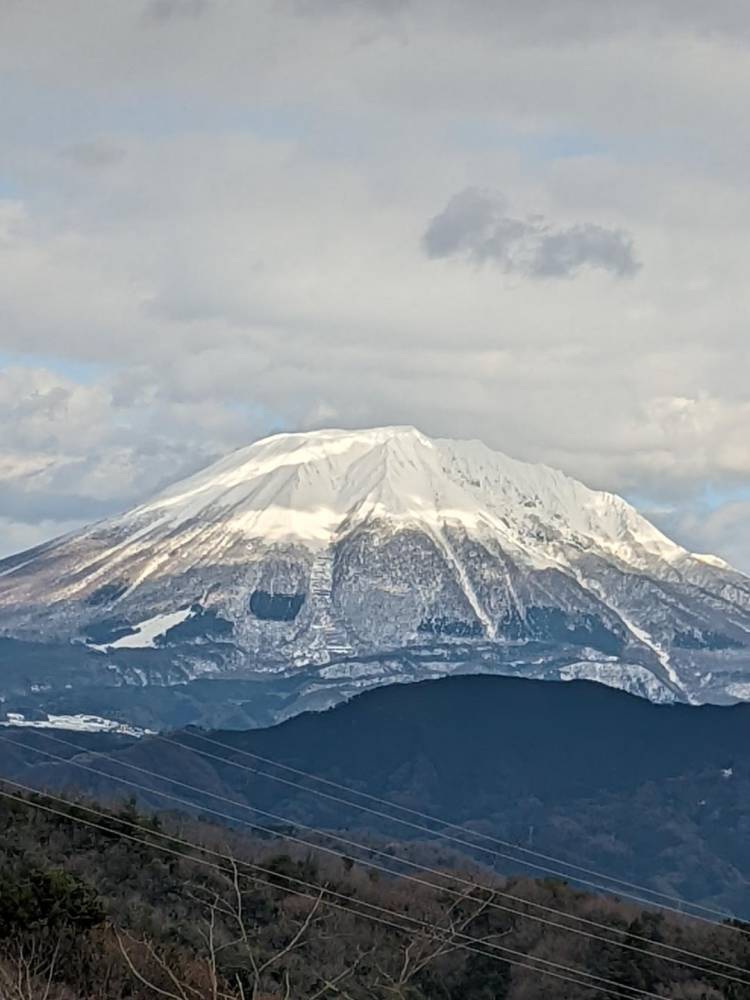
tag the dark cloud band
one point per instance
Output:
(475, 225)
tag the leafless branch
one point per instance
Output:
(301, 931)
(180, 995)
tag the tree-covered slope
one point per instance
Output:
(139, 906)
(649, 793)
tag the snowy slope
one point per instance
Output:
(304, 549)
(304, 486)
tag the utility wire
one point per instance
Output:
(724, 915)
(392, 858)
(437, 933)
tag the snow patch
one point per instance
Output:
(716, 561)
(147, 632)
(661, 654)
(75, 723)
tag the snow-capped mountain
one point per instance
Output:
(319, 562)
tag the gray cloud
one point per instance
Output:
(568, 19)
(721, 530)
(562, 253)
(475, 225)
(96, 154)
(167, 10)
(30, 506)
(338, 7)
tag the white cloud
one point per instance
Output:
(16, 536)
(72, 453)
(229, 238)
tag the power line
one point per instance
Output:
(154, 833)
(437, 933)
(371, 864)
(445, 836)
(362, 847)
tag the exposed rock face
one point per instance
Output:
(379, 553)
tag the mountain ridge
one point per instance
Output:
(313, 550)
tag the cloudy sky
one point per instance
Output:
(523, 222)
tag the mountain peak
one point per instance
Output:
(303, 485)
(307, 486)
(332, 545)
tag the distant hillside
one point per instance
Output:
(657, 794)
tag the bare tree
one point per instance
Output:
(225, 928)
(423, 949)
(28, 974)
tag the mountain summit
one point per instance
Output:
(357, 557)
(314, 487)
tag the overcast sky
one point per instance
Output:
(525, 222)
